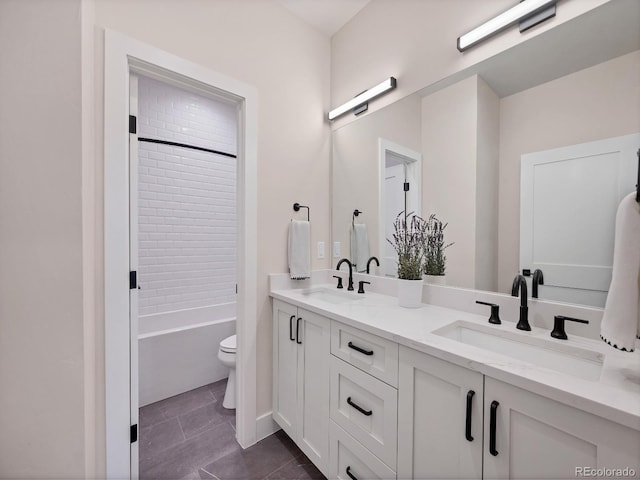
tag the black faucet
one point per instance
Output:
(350, 287)
(538, 279)
(369, 262)
(520, 284)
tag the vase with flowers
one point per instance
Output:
(435, 259)
(409, 241)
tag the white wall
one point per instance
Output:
(592, 104)
(42, 358)
(187, 222)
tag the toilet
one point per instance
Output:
(227, 355)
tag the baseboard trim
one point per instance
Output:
(265, 426)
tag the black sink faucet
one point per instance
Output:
(520, 284)
(538, 279)
(369, 262)
(345, 260)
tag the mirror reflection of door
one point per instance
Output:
(394, 186)
(398, 165)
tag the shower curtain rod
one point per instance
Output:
(185, 145)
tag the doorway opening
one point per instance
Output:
(183, 228)
(125, 56)
(400, 178)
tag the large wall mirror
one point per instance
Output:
(525, 156)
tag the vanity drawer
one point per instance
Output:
(370, 353)
(366, 408)
(348, 459)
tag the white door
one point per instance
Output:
(535, 437)
(285, 366)
(394, 188)
(569, 198)
(313, 388)
(439, 419)
(133, 268)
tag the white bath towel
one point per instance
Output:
(621, 320)
(299, 249)
(359, 246)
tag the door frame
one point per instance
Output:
(121, 55)
(413, 164)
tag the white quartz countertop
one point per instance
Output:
(614, 396)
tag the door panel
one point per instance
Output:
(285, 367)
(569, 199)
(432, 412)
(313, 388)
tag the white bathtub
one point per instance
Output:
(178, 351)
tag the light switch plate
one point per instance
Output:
(320, 249)
(336, 249)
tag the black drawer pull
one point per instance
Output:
(467, 431)
(358, 349)
(298, 341)
(291, 328)
(351, 475)
(359, 408)
(492, 428)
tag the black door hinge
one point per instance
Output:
(134, 433)
(406, 186)
(133, 280)
(133, 124)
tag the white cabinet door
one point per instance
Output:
(535, 437)
(285, 367)
(434, 402)
(313, 388)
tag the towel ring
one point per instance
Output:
(297, 207)
(356, 212)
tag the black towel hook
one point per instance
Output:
(297, 207)
(356, 212)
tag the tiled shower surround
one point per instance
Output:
(187, 200)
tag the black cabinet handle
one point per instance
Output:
(361, 350)
(291, 328)
(467, 431)
(492, 429)
(351, 475)
(298, 341)
(359, 408)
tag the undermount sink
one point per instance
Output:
(334, 296)
(575, 361)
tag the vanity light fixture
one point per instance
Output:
(384, 87)
(525, 10)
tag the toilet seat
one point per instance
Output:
(228, 345)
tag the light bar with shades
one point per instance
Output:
(524, 9)
(384, 87)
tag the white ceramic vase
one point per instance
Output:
(436, 279)
(410, 293)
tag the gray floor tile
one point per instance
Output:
(218, 389)
(206, 476)
(188, 401)
(203, 418)
(299, 468)
(191, 455)
(255, 462)
(151, 414)
(159, 437)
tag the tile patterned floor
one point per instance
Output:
(192, 437)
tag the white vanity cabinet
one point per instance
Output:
(536, 437)
(301, 346)
(439, 418)
(441, 425)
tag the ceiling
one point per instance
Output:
(326, 16)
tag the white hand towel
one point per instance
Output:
(360, 246)
(621, 320)
(299, 250)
